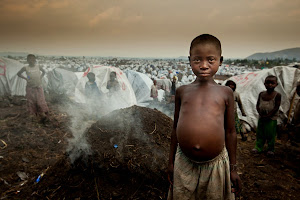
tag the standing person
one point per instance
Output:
(91, 89)
(296, 118)
(113, 84)
(202, 160)
(238, 101)
(93, 94)
(154, 91)
(173, 88)
(267, 106)
(36, 103)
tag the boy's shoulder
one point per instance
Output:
(227, 90)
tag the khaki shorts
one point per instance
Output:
(201, 180)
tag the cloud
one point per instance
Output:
(109, 14)
(133, 19)
(58, 4)
(22, 8)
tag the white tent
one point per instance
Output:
(122, 98)
(10, 83)
(249, 86)
(141, 85)
(61, 81)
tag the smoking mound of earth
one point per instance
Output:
(128, 160)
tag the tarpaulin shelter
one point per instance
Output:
(61, 81)
(124, 97)
(141, 85)
(10, 83)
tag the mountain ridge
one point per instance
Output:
(291, 53)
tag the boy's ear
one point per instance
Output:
(189, 59)
(221, 60)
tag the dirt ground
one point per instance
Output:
(125, 158)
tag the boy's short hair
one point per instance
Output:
(206, 38)
(90, 75)
(30, 55)
(271, 76)
(230, 82)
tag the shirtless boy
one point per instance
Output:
(267, 106)
(202, 161)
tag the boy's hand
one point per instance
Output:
(236, 181)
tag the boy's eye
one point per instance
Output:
(211, 60)
(196, 60)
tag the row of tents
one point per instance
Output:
(136, 86)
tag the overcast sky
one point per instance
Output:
(146, 28)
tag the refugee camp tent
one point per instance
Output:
(249, 86)
(141, 85)
(61, 81)
(10, 83)
(108, 102)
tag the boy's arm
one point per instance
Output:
(257, 104)
(20, 73)
(43, 71)
(230, 141)
(86, 90)
(174, 142)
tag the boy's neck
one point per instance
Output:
(204, 81)
(270, 91)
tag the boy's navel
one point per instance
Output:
(197, 147)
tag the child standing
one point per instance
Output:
(237, 99)
(36, 104)
(296, 117)
(154, 91)
(91, 89)
(113, 84)
(267, 107)
(202, 161)
(173, 89)
(93, 95)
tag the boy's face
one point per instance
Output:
(231, 86)
(91, 79)
(205, 60)
(31, 60)
(270, 83)
(112, 76)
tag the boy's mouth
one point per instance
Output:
(204, 74)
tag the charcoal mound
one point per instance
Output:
(135, 139)
(129, 160)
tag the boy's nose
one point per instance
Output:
(203, 65)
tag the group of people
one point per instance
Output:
(36, 104)
(202, 158)
(169, 95)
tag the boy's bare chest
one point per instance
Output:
(203, 100)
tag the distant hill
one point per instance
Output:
(284, 54)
